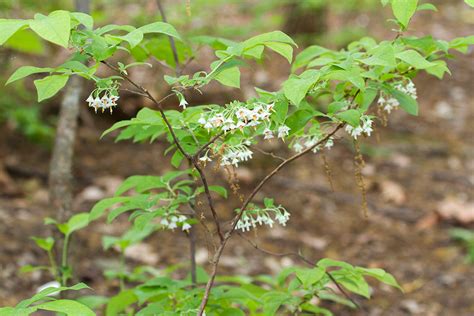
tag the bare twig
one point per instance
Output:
(269, 154)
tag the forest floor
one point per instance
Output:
(419, 176)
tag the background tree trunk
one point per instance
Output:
(60, 171)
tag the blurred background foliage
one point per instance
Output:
(306, 20)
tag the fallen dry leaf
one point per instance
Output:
(392, 192)
(454, 208)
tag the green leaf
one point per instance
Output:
(48, 291)
(326, 263)
(160, 27)
(84, 19)
(120, 302)
(177, 158)
(44, 243)
(77, 222)
(49, 86)
(353, 282)
(68, 307)
(439, 69)
(381, 275)
(296, 88)
(281, 110)
(470, 2)
(93, 301)
(8, 27)
(267, 38)
(25, 71)
(283, 49)
(414, 59)
(219, 190)
(406, 102)
(351, 117)
(403, 10)
(352, 76)
(100, 207)
(133, 38)
(26, 41)
(381, 55)
(427, 6)
(310, 276)
(229, 77)
(55, 27)
(309, 53)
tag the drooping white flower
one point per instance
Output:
(186, 227)
(366, 125)
(283, 131)
(329, 143)
(354, 131)
(268, 134)
(298, 147)
(205, 158)
(183, 103)
(202, 120)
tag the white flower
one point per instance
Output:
(228, 125)
(354, 131)
(329, 143)
(164, 222)
(241, 113)
(217, 120)
(186, 226)
(205, 158)
(240, 125)
(183, 103)
(310, 142)
(366, 124)
(298, 147)
(270, 106)
(208, 126)
(90, 99)
(268, 134)
(202, 120)
(282, 218)
(283, 131)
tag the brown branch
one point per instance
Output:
(218, 254)
(191, 159)
(206, 145)
(171, 39)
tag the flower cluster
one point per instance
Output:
(234, 155)
(236, 116)
(390, 103)
(309, 141)
(364, 127)
(107, 101)
(172, 222)
(254, 217)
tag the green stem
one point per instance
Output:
(54, 267)
(122, 270)
(208, 76)
(64, 260)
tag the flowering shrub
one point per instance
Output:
(329, 94)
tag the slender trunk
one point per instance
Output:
(60, 168)
(60, 171)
